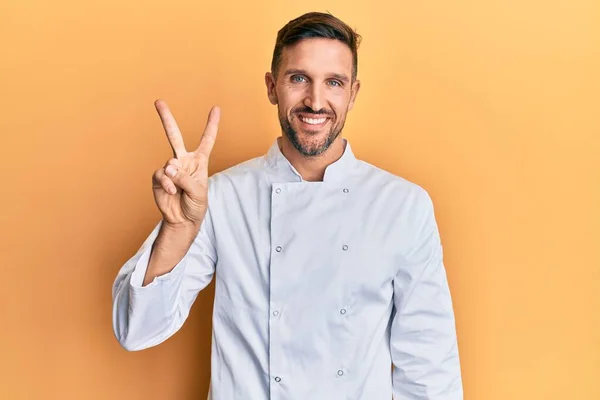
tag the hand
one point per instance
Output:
(181, 186)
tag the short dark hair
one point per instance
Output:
(316, 25)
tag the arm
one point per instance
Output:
(423, 335)
(145, 315)
(155, 289)
(171, 245)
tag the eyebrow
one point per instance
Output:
(341, 77)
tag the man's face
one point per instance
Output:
(313, 91)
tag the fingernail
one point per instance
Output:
(171, 171)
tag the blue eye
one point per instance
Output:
(336, 83)
(295, 77)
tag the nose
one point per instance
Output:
(315, 97)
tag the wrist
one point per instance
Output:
(180, 227)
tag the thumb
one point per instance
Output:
(182, 179)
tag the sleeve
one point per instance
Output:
(423, 339)
(145, 316)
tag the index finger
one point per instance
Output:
(210, 132)
(171, 129)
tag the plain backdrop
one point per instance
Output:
(492, 106)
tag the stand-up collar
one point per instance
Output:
(335, 172)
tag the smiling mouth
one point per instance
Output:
(313, 123)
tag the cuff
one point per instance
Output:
(139, 272)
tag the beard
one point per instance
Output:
(316, 146)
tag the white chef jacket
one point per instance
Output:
(320, 287)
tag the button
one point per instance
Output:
(346, 190)
(275, 313)
(340, 372)
(343, 311)
(277, 379)
(344, 247)
(278, 190)
(278, 249)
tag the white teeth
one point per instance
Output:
(313, 121)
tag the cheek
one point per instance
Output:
(288, 103)
(339, 102)
(339, 110)
(290, 94)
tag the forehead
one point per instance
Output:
(317, 55)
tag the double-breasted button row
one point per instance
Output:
(345, 190)
(279, 248)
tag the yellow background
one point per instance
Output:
(492, 106)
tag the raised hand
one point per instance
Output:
(181, 186)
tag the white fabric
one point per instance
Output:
(320, 286)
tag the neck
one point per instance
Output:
(312, 169)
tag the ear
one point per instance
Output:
(355, 89)
(271, 93)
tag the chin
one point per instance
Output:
(312, 147)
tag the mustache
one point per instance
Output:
(307, 110)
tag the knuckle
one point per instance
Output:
(166, 183)
(164, 178)
(173, 161)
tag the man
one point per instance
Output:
(328, 270)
